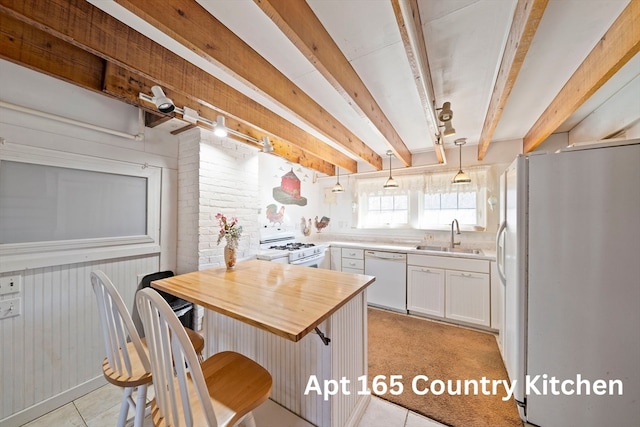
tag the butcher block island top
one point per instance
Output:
(287, 300)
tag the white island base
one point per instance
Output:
(292, 364)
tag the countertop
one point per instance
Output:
(281, 298)
(489, 255)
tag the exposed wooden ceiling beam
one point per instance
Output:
(303, 28)
(190, 24)
(35, 49)
(127, 86)
(183, 129)
(152, 120)
(410, 25)
(103, 35)
(619, 44)
(526, 18)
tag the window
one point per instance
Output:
(442, 201)
(387, 209)
(443, 208)
(40, 203)
(423, 201)
(58, 205)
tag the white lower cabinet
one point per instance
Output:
(425, 290)
(353, 260)
(456, 289)
(467, 297)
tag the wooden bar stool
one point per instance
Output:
(127, 363)
(222, 391)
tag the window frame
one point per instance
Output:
(35, 254)
(415, 185)
(364, 210)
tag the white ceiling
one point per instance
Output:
(465, 40)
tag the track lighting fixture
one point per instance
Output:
(391, 183)
(219, 129)
(460, 177)
(164, 104)
(338, 187)
(267, 147)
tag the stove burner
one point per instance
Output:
(292, 246)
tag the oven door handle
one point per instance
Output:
(307, 260)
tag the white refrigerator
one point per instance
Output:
(568, 253)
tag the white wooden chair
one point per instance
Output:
(127, 364)
(222, 391)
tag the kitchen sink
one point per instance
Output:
(446, 249)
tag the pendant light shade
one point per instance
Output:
(460, 177)
(391, 183)
(338, 187)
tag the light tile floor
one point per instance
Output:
(100, 408)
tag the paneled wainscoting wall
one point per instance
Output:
(291, 364)
(52, 353)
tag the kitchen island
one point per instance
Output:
(307, 327)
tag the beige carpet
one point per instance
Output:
(410, 346)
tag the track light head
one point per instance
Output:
(164, 104)
(220, 129)
(445, 112)
(267, 147)
(448, 129)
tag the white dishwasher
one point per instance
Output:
(390, 287)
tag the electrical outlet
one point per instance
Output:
(10, 284)
(9, 308)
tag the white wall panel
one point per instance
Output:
(291, 364)
(54, 346)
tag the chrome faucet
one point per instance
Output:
(453, 242)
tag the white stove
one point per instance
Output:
(279, 245)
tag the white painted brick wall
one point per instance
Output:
(214, 175)
(188, 209)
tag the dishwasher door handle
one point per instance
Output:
(386, 256)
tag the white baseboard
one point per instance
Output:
(55, 402)
(358, 411)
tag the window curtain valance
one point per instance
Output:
(440, 182)
(429, 182)
(375, 186)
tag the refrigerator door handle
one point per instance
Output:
(500, 252)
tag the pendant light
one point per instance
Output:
(338, 187)
(461, 177)
(391, 183)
